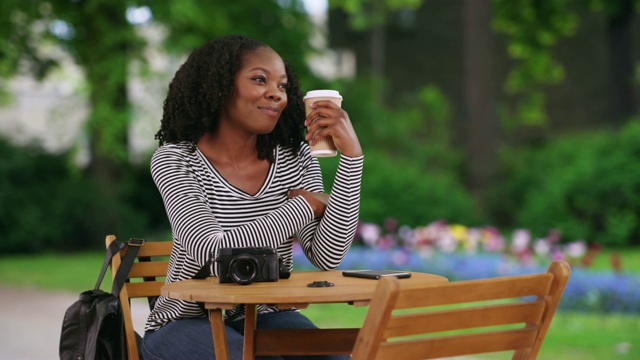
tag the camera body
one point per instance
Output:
(247, 265)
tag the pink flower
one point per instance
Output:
(557, 254)
(493, 240)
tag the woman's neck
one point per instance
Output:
(228, 148)
(236, 161)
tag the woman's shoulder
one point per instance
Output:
(184, 148)
(173, 152)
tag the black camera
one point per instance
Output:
(250, 264)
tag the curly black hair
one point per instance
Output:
(202, 85)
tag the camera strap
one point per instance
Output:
(205, 270)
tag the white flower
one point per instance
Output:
(370, 233)
(541, 247)
(576, 249)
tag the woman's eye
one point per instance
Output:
(283, 85)
(261, 79)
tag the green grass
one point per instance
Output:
(630, 259)
(571, 336)
(74, 272)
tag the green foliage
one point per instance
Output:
(407, 191)
(282, 25)
(45, 205)
(39, 203)
(96, 34)
(367, 13)
(411, 170)
(585, 185)
(99, 38)
(533, 28)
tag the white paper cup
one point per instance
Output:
(324, 147)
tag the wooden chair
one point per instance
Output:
(145, 279)
(402, 323)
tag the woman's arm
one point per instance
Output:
(196, 227)
(326, 240)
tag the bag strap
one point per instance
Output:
(133, 246)
(113, 248)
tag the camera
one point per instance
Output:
(249, 264)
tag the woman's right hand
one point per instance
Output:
(317, 200)
(329, 119)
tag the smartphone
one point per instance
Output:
(376, 274)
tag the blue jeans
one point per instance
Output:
(192, 339)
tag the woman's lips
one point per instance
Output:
(270, 110)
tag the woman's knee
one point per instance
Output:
(284, 320)
(188, 339)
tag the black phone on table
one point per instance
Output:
(376, 274)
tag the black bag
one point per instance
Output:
(93, 327)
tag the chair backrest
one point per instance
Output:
(145, 279)
(510, 313)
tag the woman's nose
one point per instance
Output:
(274, 93)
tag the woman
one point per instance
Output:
(234, 170)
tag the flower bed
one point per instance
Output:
(459, 253)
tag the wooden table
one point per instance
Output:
(286, 293)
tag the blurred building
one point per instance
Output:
(51, 113)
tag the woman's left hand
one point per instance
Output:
(317, 200)
(328, 119)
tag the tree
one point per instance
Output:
(620, 17)
(533, 27)
(373, 15)
(483, 129)
(96, 34)
(102, 41)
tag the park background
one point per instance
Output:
(498, 135)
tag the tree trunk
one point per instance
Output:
(106, 65)
(479, 111)
(621, 57)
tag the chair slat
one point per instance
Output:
(297, 341)
(465, 318)
(151, 268)
(155, 249)
(144, 289)
(476, 290)
(459, 345)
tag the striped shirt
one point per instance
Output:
(207, 213)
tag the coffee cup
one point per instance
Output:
(325, 147)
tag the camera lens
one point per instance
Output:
(243, 269)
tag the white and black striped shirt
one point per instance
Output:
(208, 213)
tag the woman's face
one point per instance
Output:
(259, 96)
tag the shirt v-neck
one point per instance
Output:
(263, 188)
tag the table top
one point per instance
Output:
(293, 291)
